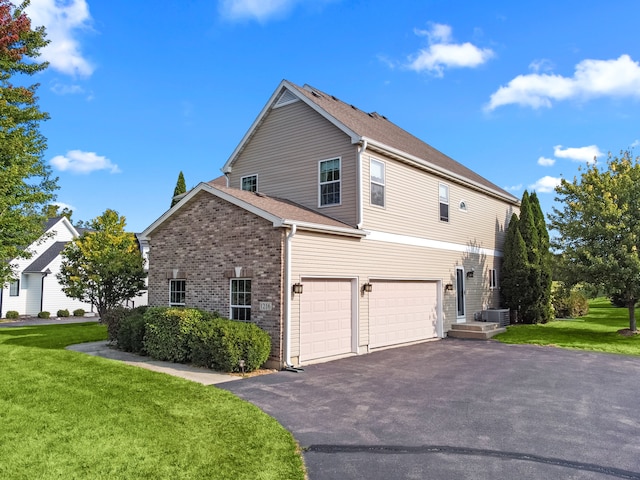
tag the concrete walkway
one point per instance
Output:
(188, 372)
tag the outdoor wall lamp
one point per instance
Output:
(367, 287)
(448, 287)
(297, 288)
(470, 274)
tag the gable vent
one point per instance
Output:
(286, 98)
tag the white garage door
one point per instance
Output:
(325, 318)
(401, 312)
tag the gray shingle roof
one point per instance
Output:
(378, 128)
(40, 264)
(280, 207)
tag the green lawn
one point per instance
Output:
(596, 331)
(68, 415)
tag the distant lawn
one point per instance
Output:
(596, 331)
(67, 415)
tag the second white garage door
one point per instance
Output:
(325, 318)
(402, 312)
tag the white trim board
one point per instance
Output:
(428, 243)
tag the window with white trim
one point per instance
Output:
(14, 288)
(493, 279)
(177, 292)
(377, 182)
(329, 172)
(443, 194)
(240, 299)
(249, 183)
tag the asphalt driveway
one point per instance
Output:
(458, 409)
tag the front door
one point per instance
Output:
(460, 295)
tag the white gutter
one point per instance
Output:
(361, 149)
(287, 297)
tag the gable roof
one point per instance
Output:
(43, 260)
(378, 133)
(281, 212)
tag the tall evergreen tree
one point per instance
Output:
(514, 278)
(26, 186)
(531, 310)
(546, 259)
(181, 188)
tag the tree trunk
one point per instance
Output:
(632, 316)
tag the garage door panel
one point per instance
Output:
(325, 318)
(401, 312)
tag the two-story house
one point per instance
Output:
(36, 287)
(334, 230)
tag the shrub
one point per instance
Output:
(44, 315)
(131, 333)
(221, 344)
(568, 303)
(13, 314)
(63, 313)
(78, 312)
(112, 320)
(168, 331)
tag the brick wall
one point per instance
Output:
(203, 242)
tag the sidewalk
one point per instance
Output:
(188, 372)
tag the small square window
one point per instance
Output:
(177, 292)
(249, 183)
(14, 288)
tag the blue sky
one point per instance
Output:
(521, 92)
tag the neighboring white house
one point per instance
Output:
(36, 288)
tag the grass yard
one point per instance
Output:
(596, 331)
(67, 415)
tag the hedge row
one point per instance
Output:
(187, 335)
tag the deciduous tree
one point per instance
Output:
(104, 265)
(598, 228)
(26, 185)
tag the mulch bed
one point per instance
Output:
(625, 332)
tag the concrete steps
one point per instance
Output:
(475, 330)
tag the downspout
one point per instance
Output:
(361, 149)
(44, 274)
(287, 296)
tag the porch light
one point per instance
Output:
(297, 288)
(470, 274)
(367, 287)
(448, 287)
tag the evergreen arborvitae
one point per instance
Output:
(515, 277)
(546, 275)
(181, 188)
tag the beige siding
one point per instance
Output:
(284, 152)
(412, 208)
(333, 256)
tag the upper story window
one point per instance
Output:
(14, 288)
(240, 299)
(493, 279)
(330, 182)
(443, 193)
(177, 292)
(377, 182)
(249, 183)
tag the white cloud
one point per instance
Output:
(260, 10)
(513, 188)
(592, 78)
(78, 161)
(61, 89)
(546, 162)
(541, 65)
(63, 205)
(546, 184)
(62, 20)
(443, 54)
(635, 144)
(580, 154)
